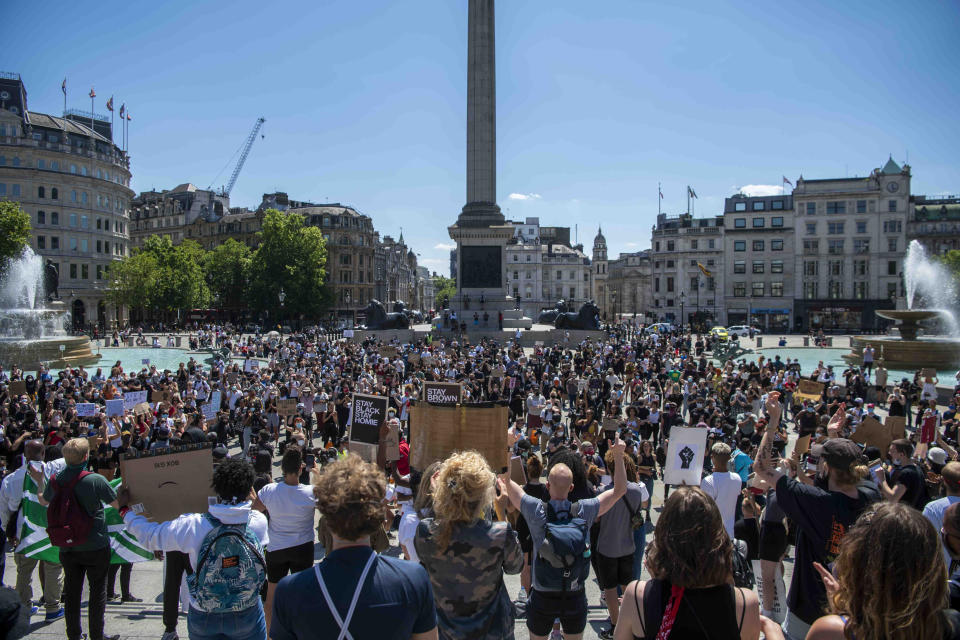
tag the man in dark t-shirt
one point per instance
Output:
(904, 483)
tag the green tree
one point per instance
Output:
(14, 230)
(133, 280)
(444, 289)
(291, 256)
(227, 268)
(952, 261)
(161, 276)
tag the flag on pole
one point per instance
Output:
(691, 192)
(128, 116)
(704, 270)
(34, 542)
(785, 181)
(63, 85)
(110, 104)
(93, 94)
(123, 107)
(661, 193)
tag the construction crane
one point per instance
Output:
(245, 151)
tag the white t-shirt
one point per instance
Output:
(291, 514)
(934, 513)
(724, 488)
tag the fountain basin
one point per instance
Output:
(896, 353)
(30, 354)
(910, 320)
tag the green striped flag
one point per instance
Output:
(34, 542)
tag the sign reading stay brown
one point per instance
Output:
(442, 393)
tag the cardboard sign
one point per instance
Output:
(413, 358)
(517, 472)
(808, 390)
(18, 387)
(114, 407)
(232, 377)
(250, 365)
(685, 456)
(428, 360)
(611, 425)
(388, 352)
(436, 432)
(287, 407)
(369, 412)
(133, 398)
(86, 409)
(391, 443)
(897, 426)
(928, 373)
(871, 433)
(445, 394)
(160, 396)
(169, 484)
(142, 409)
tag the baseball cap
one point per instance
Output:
(937, 455)
(841, 452)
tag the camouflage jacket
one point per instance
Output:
(472, 601)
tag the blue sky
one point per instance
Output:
(366, 101)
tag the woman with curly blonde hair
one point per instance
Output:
(466, 554)
(891, 581)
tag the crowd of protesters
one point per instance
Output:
(591, 423)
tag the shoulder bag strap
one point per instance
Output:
(344, 623)
(743, 609)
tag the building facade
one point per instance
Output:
(851, 242)
(184, 212)
(74, 182)
(598, 276)
(682, 292)
(628, 280)
(935, 223)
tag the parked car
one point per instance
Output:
(743, 330)
(719, 332)
(659, 327)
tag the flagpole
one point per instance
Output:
(92, 96)
(688, 199)
(64, 87)
(659, 197)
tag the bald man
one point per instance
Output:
(547, 602)
(12, 496)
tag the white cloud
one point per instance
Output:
(631, 244)
(524, 196)
(444, 247)
(761, 189)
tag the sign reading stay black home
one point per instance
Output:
(369, 412)
(442, 393)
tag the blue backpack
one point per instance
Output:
(230, 568)
(563, 560)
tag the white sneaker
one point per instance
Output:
(170, 635)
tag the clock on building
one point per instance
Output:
(893, 187)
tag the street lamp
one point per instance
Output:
(283, 296)
(683, 299)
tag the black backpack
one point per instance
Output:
(742, 568)
(563, 560)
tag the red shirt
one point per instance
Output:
(403, 464)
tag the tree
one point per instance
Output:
(133, 280)
(14, 230)
(291, 256)
(161, 276)
(951, 260)
(227, 269)
(444, 289)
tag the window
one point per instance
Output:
(861, 206)
(891, 244)
(41, 192)
(54, 218)
(73, 168)
(740, 206)
(84, 272)
(739, 289)
(759, 205)
(776, 289)
(73, 220)
(710, 244)
(83, 197)
(693, 244)
(776, 266)
(99, 224)
(41, 217)
(835, 267)
(835, 246)
(810, 290)
(694, 283)
(777, 205)
(84, 222)
(860, 268)
(892, 226)
(669, 285)
(83, 245)
(811, 267)
(835, 228)
(861, 245)
(776, 221)
(892, 206)
(758, 245)
(740, 245)
(835, 291)
(693, 263)
(41, 164)
(106, 247)
(73, 272)
(73, 244)
(836, 207)
(756, 289)
(740, 266)
(891, 290)
(16, 161)
(740, 223)
(15, 190)
(670, 245)
(656, 285)
(41, 242)
(657, 246)
(515, 258)
(528, 275)
(758, 222)
(891, 267)
(861, 226)
(99, 246)
(860, 290)
(670, 264)
(758, 266)
(73, 196)
(529, 257)
(345, 258)
(811, 208)
(99, 272)
(54, 194)
(54, 242)
(776, 245)
(559, 275)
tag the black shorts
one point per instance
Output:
(545, 607)
(289, 560)
(612, 572)
(773, 541)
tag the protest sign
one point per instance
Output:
(209, 411)
(428, 360)
(145, 361)
(611, 426)
(897, 426)
(18, 387)
(443, 393)
(86, 409)
(685, 456)
(250, 365)
(287, 407)
(162, 395)
(808, 390)
(391, 443)
(216, 399)
(413, 358)
(388, 352)
(232, 377)
(368, 413)
(133, 398)
(348, 333)
(436, 432)
(928, 373)
(517, 473)
(115, 407)
(142, 409)
(871, 433)
(170, 483)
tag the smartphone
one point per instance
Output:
(812, 462)
(757, 491)
(874, 466)
(310, 460)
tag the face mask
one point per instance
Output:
(897, 463)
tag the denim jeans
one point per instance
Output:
(639, 543)
(249, 624)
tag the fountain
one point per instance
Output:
(33, 328)
(927, 282)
